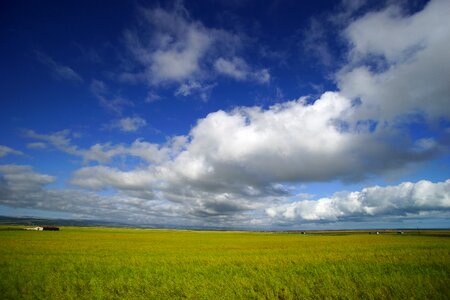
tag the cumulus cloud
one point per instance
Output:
(58, 70)
(398, 63)
(240, 160)
(292, 141)
(406, 199)
(4, 150)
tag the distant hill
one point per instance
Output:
(32, 221)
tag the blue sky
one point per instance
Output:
(243, 114)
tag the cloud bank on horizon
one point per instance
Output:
(245, 166)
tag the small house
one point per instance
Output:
(40, 228)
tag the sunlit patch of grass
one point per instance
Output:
(108, 263)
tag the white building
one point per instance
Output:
(35, 228)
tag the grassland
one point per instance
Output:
(108, 263)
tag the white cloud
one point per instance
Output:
(293, 141)
(4, 150)
(186, 88)
(175, 47)
(172, 48)
(21, 187)
(58, 70)
(60, 139)
(406, 199)
(238, 69)
(192, 87)
(129, 124)
(98, 177)
(23, 178)
(400, 64)
(239, 161)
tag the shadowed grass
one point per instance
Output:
(109, 263)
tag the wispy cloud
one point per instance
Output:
(194, 87)
(103, 153)
(111, 102)
(238, 69)
(58, 70)
(315, 42)
(152, 96)
(4, 151)
(36, 145)
(128, 124)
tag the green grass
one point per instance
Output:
(109, 263)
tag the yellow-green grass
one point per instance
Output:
(111, 263)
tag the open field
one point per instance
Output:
(89, 263)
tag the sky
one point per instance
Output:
(269, 115)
